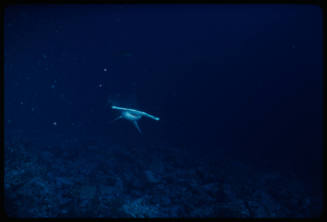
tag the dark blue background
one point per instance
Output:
(244, 78)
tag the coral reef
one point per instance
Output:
(88, 179)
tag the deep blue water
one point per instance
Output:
(234, 83)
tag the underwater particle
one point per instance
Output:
(33, 109)
(54, 84)
(64, 99)
(44, 56)
(125, 53)
(21, 102)
(9, 121)
(100, 85)
(54, 123)
(58, 28)
(105, 69)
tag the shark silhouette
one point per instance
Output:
(133, 115)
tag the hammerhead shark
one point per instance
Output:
(133, 115)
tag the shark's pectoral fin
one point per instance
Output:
(119, 117)
(137, 126)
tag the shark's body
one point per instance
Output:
(133, 115)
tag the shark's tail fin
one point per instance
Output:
(137, 126)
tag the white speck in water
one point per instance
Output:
(100, 85)
(21, 103)
(53, 86)
(105, 69)
(54, 123)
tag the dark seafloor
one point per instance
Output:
(238, 89)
